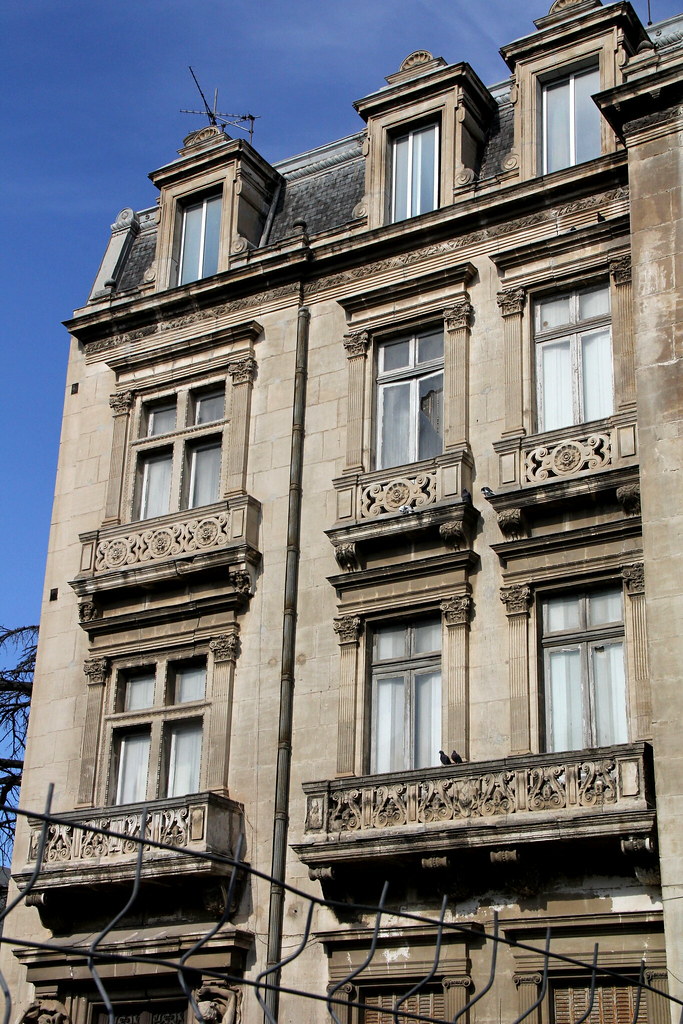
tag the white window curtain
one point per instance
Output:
(205, 475)
(185, 751)
(133, 768)
(139, 691)
(389, 731)
(156, 485)
(415, 173)
(609, 687)
(190, 683)
(200, 240)
(566, 700)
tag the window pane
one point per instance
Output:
(427, 714)
(131, 784)
(557, 138)
(597, 375)
(209, 407)
(205, 475)
(156, 485)
(430, 346)
(593, 303)
(390, 642)
(160, 419)
(395, 418)
(562, 613)
(212, 226)
(139, 691)
(190, 682)
(427, 636)
(400, 197)
(552, 313)
(389, 732)
(395, 354)
(586, 116)
(610, 694)
(184, 758)
(604, 607)
(566, 708)
(430, 416)
(424, 168)
(191, 243)
(556, 378)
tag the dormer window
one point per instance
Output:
(200, 238)
(415, 172)
(571, 120)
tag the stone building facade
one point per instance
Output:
(367, 456)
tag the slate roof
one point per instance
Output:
(140, 258)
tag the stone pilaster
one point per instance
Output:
(121, 403)
(96, 671)
(356, 346)
(634, 582)
(456, 613)
(243, 374)
(348, 629)
(517, 600)
(455, 991)
(511, 304)
(224, 651)
(622, 331)
(457, 325)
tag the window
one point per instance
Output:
(571, 120)
(410, 399)
(406, 695)
(178, 452)
(573, 358)
(152, 736)
(428, 1002)
(613, 1003)
(199, 239)
(414, 173)
(585, 687)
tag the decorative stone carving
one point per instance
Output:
(457, 610)
(569, 457)
(348, 629)
(241, 581)
(562, 5)
(321, 873)
(511, 301)
(504, 856)
(96, 669)
(416, 58)
(628, 497)
(527, 979)
(516, 598)
(620, 269)
(243, 371)
(121, 402)
(458, 316)
(209, 133)
(356, 343)
(217, 1003)
(225, 647)
(464, 177)
(512, 523)
(155, 543)
(453, 534)
(46, 1011)
(635, 845)
(88, 611)
(347, 556)
(435, 863)
(124, 219)
(634, 577)
(463, 981)
(398, 494)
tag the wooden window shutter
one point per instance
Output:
(430, 1003)
(613, 1004)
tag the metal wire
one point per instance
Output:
(345, 994)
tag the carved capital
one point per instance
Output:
(634, 578)
(511, 301)
(527, 979)
(516, 599)
(46, 1011)
(241, 581)
(87, 611)
(121, 402)
(456, 610)
(464, 981)
(347, 556)
(458, 317)
(96, 669)
(348, 629)
(654, 974)
(356, 343)
(628, 497)
(620, 269)
(453, 534)
(512, 523)
(243, 371)
(225, 647)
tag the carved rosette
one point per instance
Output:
(453, 534)
(634, 578)
(512, 523)
(458, 316)
(154, 543)
(347, 557)
(243, 371)
(620, 269)
(628, 497)
(226, 647)
(356, 344)
(511, 301)
(568, 458)
(96, 669)
(456, 611)
(348, 629)
(516, 598)
(398, 495)
(121, 402)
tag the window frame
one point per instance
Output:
(546, 83)
(410, 132)
(185, 207)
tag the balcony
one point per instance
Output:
(602, 794)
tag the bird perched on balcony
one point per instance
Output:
(466, 496)
(444, 758)
(487, 492)
(455, 757)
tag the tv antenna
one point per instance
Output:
(243, 122)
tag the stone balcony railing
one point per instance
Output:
(530, 798)
(79, 849)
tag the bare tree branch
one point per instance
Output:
(17, 663)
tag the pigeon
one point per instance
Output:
(444, 758)
(456, 758)
(466, 496)
(487, 492)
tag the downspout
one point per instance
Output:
(284, 747)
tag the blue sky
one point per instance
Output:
(91, 103)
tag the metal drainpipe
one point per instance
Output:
(284, 746)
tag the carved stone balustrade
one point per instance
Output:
(605, 792)
(77, 854)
